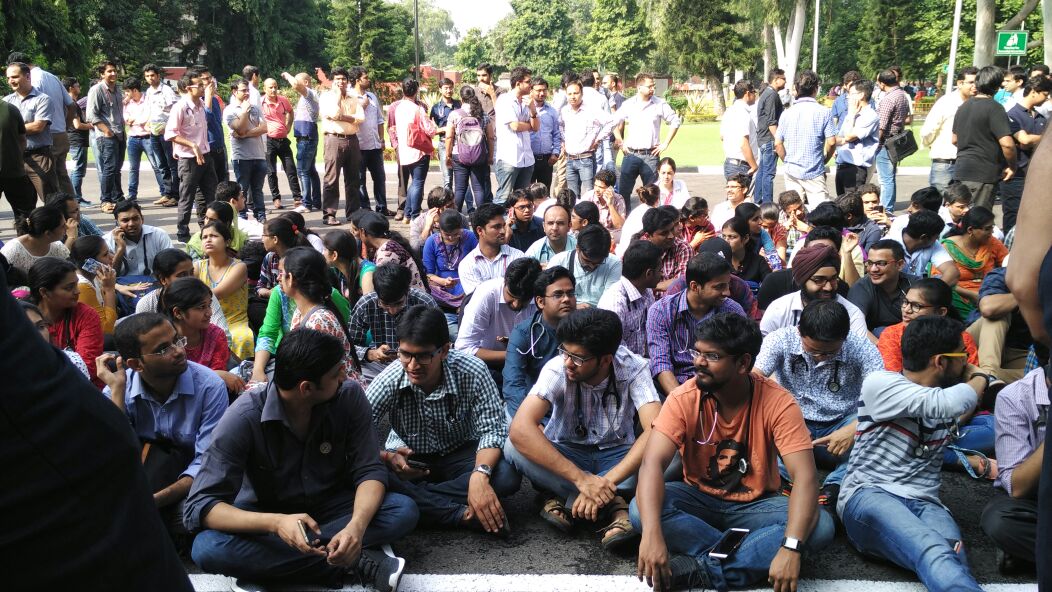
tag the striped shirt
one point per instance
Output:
(464, 407)
(897, 419)
(631, 307)
(475, 268)
(1020, 429)
(670, 333)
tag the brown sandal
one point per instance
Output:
(330, 220)
(627, 533)
(555, 513)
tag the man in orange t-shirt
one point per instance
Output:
(278, 112)
(729, 425)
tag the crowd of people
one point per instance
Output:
(674, 375)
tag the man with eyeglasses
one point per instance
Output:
(593, 266)
(816, 269)
(880, 292)
(736, 187)
(248, 152)
(187, 129)
(496, 307)
(448, 428)
(533, 342)
(727, 407)
(937, 132)
(889, 500)
(672, 320)
(588, 453)
(822, 364)
(173, 406)
(523, 228)
(376, 315)
(632, 296)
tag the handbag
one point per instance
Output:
(901, 145)
(418, 137)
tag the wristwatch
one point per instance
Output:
(985, 377)
(792, 544)
(484, 469)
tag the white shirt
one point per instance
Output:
(487, 316)
(644, 121)
(677, 197)
(633, 224)
(937, 132)
(474, 268)
(737, 123)
(723, 211)
(917, 262)
(152, 241)
(582, 127)
(513, 148)
(785, 312)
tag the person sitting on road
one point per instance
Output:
(726, 424)
(187, 302)
(134, 244)
(491, 258)
(523, 227)
(557, 237)
(168, 266)
(660, 229)
(448, 428)
(632, 296)
(40, 235)
(582, 213)
(593, 267)
(588, 454)
(880, 292)
(263, 523)
(439, 201)
(889, 500)
(223, 212)
(443, 252)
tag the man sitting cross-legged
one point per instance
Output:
(299, 458)
(588, 453)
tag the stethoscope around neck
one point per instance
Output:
(834, 381)
(580, 430)
(743, 463)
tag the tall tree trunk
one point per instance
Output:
(1017, 20)
(719, 100)
(768, 41)
(985, 35)
(1046, 13)
(794, 35)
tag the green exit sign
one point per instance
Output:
(1012, 43)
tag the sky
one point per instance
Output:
(475, 13)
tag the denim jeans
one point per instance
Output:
(510, 178)
(373, 161)
(250, 175)
(447, 173)
(307, 171)
(886, 172)
(693, 522)
(632, 166)
(415, 173)
(109, 159)
(478, 173)
(912, 534)
(735, 168)
(822, 456)
(80, 166)
(763, 192)
(136, 147)
(265, 558)
(442, 496)
(940, 176)
(169, 166)
(587, 458)
(978, 434)
(580, 175)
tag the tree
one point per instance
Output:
(619, 39)
(787, 47)
(539, 35)
(986, 31)
(472, 50)
(374, 34)
(436, 30)
(885, 27)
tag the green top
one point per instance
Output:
(280, 309)
(237, 241)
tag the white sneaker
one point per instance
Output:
(302, 210)
(241, 585)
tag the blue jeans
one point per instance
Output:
(80, 166)
(510, 178)
(911, 534)
(265, 558)
(978, 435)
(735, 168)
(373, 161)
(136, 147)
(415, 174)
(822, 456)
(250, 175)
(580, 174)
(763, 192)
(886, 172)
(447, 173)
(940, 176)
(109, 159)
(587, 458)
(693, 522)
(478, 174)
(310, 181)
(169, 166)
(632, 166)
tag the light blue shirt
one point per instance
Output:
(549, 137)
(802, 130)
(590, 284)
(187, 418)
(862, 152)
(35, 107)
(50, 85)
(542, 251)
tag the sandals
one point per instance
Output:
(627, 532)
(107, 207)
(330, 220)
(555, 513)
(277, 204)
(987, 466)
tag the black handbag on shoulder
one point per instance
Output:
(901, 145)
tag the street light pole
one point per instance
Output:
(951, 70)
(416, 35)
(814, 45)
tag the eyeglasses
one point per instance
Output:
(179, 343)
(576, 359)
(735, 187)
(524, 207)
(823, 281)
(398, 304)
(914, 306)
(708, 356)
(424, 359)
(876, 263)
(561, 295)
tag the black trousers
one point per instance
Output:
(542, 170)
(849, 176)
(1012, 524)
(282, 148)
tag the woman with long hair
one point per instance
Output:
(75, 326)
(227, 277)
(279, 235)
(301, 227)
(43, 327)
(976, 251)
(762, 243)
(648, 197)
(305, 279)
(188, 303)
(98, 289)
(745, 261)
(40, 235)
(168, 266)
(478, 171)
(350, 275)
(388, 246)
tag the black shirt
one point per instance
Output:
(781, 282)
(521, 238)
(768, 109)
(1019, 119)
(880, 309)
(979, 124)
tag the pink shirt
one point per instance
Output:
(274, 114)
(187, 121)
(136, 115)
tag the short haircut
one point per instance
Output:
(788, 198)
(825, 320)
(957, 192)
(851, 205)
(643, 76)
(967, 71)
(484, 67)
(741, 179)
(1037, 84)
(887, 77)
(574, 82)
(439, 196)
(924, 223)
(69, 82)
(517, 196)
(520, 277)
(851, 77)
(249, 71)
(445, 82)
(558, 206)
(775, 73)
(518, 74)
(594, 241)
(391, 281)
(187, 80)
(742, 87)
(595, 329)
(865, 88)
(423, 325)
(926, 337)
(587, 78)
(126, 334)
(887, 244)
(868, 188)
(655, 219)
(827, 213)
(586, 210)
(227, 191)
(806, 84)
(17, 56)
(989, 80)
(1016, 73)
(355, 74)
(549, 276)
(734, 334)
(640, 257)
(825, 233)
(537, 190)
(705, 267)
(1042, 68)
(340, 71)
(132, 83)
(695, 206)
(23, 67)
(540, 81)
(103, 65)
(305, 355)
(126, 206)
(927, 198)
(606, 176)
(486, 213)
(409, 87)
(153, 68)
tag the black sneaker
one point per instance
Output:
(380, 569)
(828, 495)
(1014, 566)
(687, 574)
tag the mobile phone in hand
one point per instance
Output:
(92, 266)
(418, 465)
